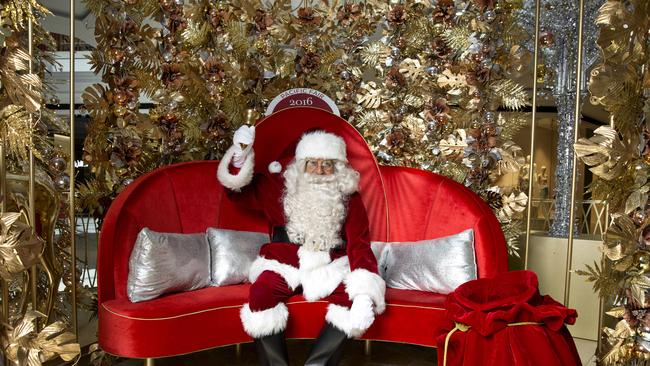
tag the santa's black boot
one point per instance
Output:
(328, 348)
(272, 350)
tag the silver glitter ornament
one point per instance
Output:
(167, 56)
(489, 16)
(62, 182)
(58, 164)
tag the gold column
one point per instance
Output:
(73, 221)
(32, 169)
(576, 117)
(601, 302)
(3, 209)
(533, 123)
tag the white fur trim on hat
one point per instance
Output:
(262, 323)
(239, 180)
(361, 281)
(321, 145)
(275, 167)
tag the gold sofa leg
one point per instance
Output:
(149, 361)
(238, 351)
(367, 348)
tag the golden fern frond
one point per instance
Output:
(238, 38)
(15, 131)
(149, 85)
(457, 38)
(98, 61)
(512, 123)
(196, 33)
(21, 11)
(330, 57)
(513, 96)
(95, 6)
(605, 281)
(23, 88)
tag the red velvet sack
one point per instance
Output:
(505, 321)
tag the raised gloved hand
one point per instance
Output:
(245, 135)
(362, 314)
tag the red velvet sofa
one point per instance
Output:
(403, 204)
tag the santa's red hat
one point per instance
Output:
(317, 145)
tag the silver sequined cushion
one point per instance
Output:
(232, 253)
(167, 262)
(436, 265)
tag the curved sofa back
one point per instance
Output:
(423, 205)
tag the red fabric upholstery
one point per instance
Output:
(422, 206)
(210, 317)
(403, 204)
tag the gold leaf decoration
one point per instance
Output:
(513, 96)
(22, 87)
(512, 204)
(454, 144)
(458, 38)
(196, 33)
(25, 346)
(370, 95)
(374, 53)
(604, 152)
(19, 247)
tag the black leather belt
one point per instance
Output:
(280, 235)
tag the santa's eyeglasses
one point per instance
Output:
(314, 164)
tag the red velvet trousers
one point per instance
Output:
(270, 288)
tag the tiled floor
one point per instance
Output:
(383, 354)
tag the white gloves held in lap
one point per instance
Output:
(362, 313)
(245, 135)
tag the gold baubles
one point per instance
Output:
(641, 260)
(251, 116)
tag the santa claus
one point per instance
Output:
(320, 245)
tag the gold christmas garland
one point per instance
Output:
(619, 155)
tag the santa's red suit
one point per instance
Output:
(320, 246)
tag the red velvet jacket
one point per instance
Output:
(263, 191)
(265, 194)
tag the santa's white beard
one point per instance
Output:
(315, 206)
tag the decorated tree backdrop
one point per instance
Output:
(425, 82)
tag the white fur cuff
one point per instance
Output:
(262, 323)
(289, 273)
(235, 181)
(363, 282)
(340, 317)
(320, 282)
